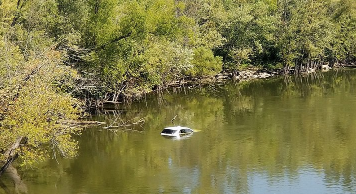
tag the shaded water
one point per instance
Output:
(284, 135)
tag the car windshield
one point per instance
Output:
(168, 131)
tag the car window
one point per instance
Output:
(168, 131)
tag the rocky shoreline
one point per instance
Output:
(243, 75)
(247, 75)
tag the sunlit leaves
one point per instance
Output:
(32, 82)
(147, 43)
(205, 63)
(306, 33)
(165, 61)
(343, 45)
(250, 33)
(7, 10)
(37, 111)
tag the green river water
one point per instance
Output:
(292, 135)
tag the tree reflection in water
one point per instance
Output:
(259, 137)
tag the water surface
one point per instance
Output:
(283, 135)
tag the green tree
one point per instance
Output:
(205, 63)
(250, 33)
(343, 45)
(33, 80)
(305, 32)
(141, 44)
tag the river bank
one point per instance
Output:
(130, 95)
(114, 99)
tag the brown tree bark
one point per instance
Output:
(10, 155)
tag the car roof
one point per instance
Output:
(176, 128)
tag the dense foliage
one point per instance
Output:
(33, 81)
(144, 44)
(136, 45)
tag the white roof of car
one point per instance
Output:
(177, 128)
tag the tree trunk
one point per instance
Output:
(10, 155)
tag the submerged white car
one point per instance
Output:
(176, 131)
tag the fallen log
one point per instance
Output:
(79, 122)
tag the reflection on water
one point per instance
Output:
(178, 137)
(284, 135)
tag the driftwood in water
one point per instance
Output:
(116, 124)
(79, 122)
